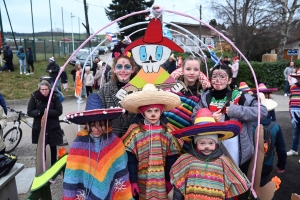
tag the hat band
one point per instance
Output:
(204, 120)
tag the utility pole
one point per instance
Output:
(51, 29)
(10, 25)
(33, 36)
(87, 26)
(62, 19)
(200, 26)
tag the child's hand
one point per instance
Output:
(227, 108)
(218, 115)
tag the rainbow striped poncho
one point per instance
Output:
(111, 178)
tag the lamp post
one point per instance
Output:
(72, 31)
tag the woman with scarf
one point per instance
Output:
(36, 107)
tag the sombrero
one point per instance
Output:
(205, 124)
(262, 88)
(147, 96)
(269, 103)
(243, 86)
(297, 75)
(154, 35)
(94, 111)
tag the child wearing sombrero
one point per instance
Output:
(205, 172)
(150, 146)
(97, 162)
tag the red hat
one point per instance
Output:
(154, 35)
(236, 58)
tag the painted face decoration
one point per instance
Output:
(220, 79)
(152, 115)
(151, 57)
(206, 145)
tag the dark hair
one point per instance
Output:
(224, 67)
(225, 56)
(165, 128)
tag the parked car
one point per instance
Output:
(81, 59)
(102, 50)
(111, 46)
(77, 55)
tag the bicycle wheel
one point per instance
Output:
(63, 124)
(12, 139)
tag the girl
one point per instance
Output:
(227, 104)
(98, 76)
(150, 146)
(88, 81)
(97, 163)
(123, 70)
(78, 82)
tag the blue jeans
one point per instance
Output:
(287, 87)
(295, 143)
(57, 84)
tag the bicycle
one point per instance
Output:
(13, 136)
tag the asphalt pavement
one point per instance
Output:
(26, 151)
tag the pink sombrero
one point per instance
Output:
(297, 75)
(205, 124)
(262, 88)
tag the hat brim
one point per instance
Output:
(132, 102)
(270, 104)
(295, 75)
(83, 117)
(164, 42)
(225, 130)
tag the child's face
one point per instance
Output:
(206, 145)
(191, 72)
(97, 128)
(152, 115)
(220, 79)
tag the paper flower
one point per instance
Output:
(61, 152)
(116, 54)
(127, 53)
(277, 181)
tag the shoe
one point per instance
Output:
(292, 153)
(32, 73)
(285, 94)
(9, 70)
(80, 102)
(21, 73)
(299, 161)
(28, 74)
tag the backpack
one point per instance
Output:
(268, 141)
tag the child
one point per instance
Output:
(277, 142)
(205, 172)
(97, 163)
(78, 83)
(150, 146)
(88, 81)
(64, 80)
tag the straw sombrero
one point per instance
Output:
(269, 103)
(205, 124)
(147, 96)
(297, 75)
(94, 111)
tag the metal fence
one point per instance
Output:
(43, 49)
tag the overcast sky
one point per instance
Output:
(20, 14)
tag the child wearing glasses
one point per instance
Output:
(150, 146)
(123, 67)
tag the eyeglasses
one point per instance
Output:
(127, 67)
(44, 89)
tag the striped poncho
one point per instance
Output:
(106, 179)
(151, 147)
(207, 180)
(294, 104)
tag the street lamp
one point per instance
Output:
(72, 31)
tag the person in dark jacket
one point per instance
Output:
(36, 107)
(3, 103)
(95, 66)
(277, 143)
(30, 61)
(8, 56)
(53, 70)
(172, 64)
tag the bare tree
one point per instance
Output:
(247, 20)
(287, 11)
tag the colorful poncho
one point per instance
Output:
(213, 180)
(111, 178)
(294, 104)
(151, 149)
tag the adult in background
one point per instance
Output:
(8, 56)
(107, 73)
(30, 61)
(53, 70)
(172, 64)
(287, 71)
(21, 56)
(235, 71)
(123, 71)
(36, 107)
(226, 61)
(95, 66)
(98, 76)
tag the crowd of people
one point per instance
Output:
(156, 144)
